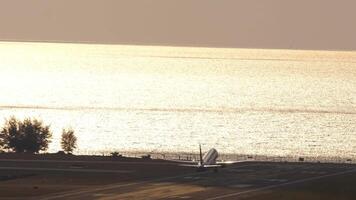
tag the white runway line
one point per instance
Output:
(280, 185)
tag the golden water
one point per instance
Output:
(134, 98)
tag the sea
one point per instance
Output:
(171, 99)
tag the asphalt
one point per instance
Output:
(58, 179)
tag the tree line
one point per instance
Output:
(32, 136)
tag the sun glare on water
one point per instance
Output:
(136, 98)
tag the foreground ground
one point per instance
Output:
(145, 179)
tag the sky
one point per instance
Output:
(272, 24)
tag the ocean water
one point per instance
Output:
(170, 99)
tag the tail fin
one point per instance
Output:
(200, 156)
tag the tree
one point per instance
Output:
(27, 136)
(68, 141)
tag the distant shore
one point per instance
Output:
(67, 157)
(142, 156)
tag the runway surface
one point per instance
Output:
(165, 180)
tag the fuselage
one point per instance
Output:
(210, 157)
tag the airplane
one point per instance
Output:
(208, 161)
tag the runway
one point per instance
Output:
(64, 170)
(165, 180)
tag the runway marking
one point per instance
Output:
(66, 170)
(281, 185)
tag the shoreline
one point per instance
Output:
(167, 156)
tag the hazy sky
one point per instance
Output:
(292, 24)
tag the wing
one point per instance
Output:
(232, 162)
(188, 162)
(199, 166)
(212, 166)
(187, 165)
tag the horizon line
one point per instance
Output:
(85, 42)
(206, 110)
